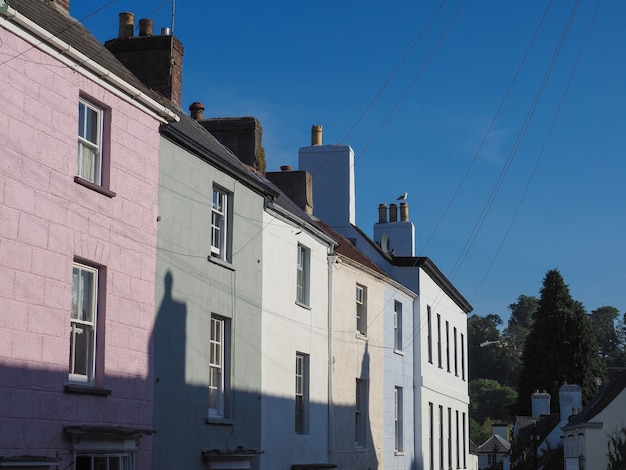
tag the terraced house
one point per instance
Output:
(166, 303)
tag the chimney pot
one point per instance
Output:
(404, 212)
(127, 25)
(165, 31)
(285, 168)
(393, 212)
(146, 27)
(197, 110)
(316, 135)
(382, 213)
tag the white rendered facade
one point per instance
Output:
(357, 361)
(398, 450)
(295, 343)
(444, 390)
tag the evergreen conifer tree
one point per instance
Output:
(560, 347)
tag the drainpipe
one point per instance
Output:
(332, 259)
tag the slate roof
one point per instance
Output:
(605, 396)
(545, 424)
(494, 444)
(347, 249)
(190, 134)
(71, 31)
(428, 266)
(187, 132)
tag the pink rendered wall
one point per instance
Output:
(46, 220)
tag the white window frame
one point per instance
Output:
(218, 366)
(303, 263)
(220, 207)
(398, 419)
(89, 159)
(361, 309)
(397, 326)
(360, 413)
(85, 324)
(301, 417)
(125, 460)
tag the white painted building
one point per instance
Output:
(295, 338)
(439, 312)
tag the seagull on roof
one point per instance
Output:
(403, 197)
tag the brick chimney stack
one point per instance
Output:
(156, 60)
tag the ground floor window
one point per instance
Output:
(106, 461)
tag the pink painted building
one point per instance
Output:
(79, 147)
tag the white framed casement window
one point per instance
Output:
(397, 420)
(105, 461)
(303, 274)
(430, 333)
(397, 326)
(302, 394)
(361, 309)
(220, 224)
(83, 323)
(218, 366)
(360, 413)
(90, 130)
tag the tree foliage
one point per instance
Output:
(617, 450)
(603, 323)
(560, 347)
(490, 399)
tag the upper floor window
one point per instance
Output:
(462, 356)
(220, 224)
(456, 354)
(218, 366)
(430, 334)
(397, 326)
(447, 346)
(83, 323)
(303, 274)
(361, 309)
(90, 119)
(439, 341)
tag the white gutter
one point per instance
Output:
(78, 61)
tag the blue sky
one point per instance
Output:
(453, 102)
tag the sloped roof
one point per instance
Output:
(188, 133)
(494, 444)
(71, 31)
(347, 249)
(527, 425)
(428, 266)
(607, 393)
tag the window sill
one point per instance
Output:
(220, 262)
(300, 304)
(220, 421)
(399, 453)
(399, 352)
(360, 336)
(93, 186)
(87, 390)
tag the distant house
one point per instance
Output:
(494, 453)
(587, 433)
(539, 437)
(78, 241)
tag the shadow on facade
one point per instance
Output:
(253, 422)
